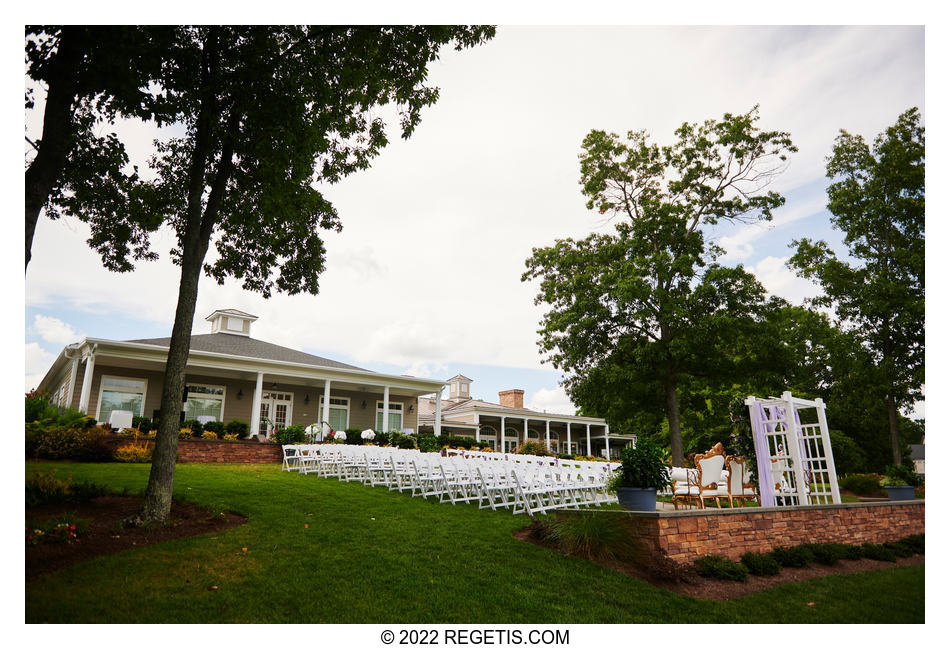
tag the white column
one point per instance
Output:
(325, 417)
(87, 384)
(478, 429)
(526, 430)
(386, 409)
(437, 425)
(568, 437)
(607, 439)
(547, 432)
(588, 441)
(72, 382)
(502, 447)
(256, 405)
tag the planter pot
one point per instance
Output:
(637, 500)
(904, 492)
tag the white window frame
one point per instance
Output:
(338, 406)
(62, 394)
(232, 323)
(102, 388)
(493, 433)
(394, 407)
(203, 395)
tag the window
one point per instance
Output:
(234, 324)
(62, 395)
(205, 401)
(339, 413)
(119, 393)
(395, 416)
(487, 431)
(464, 387)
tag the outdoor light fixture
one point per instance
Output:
(306, 399)
(240, 394)
(363, 405)
(273, 386)
(410, 408)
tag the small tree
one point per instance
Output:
(877, 200)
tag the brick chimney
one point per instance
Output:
(511, 398)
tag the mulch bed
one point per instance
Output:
(105, 534)
(685, 580)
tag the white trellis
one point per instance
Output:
(794, 459)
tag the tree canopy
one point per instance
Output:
(877, 200)
(634, 312)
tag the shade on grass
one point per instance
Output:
(320, 550)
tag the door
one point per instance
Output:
(276, 411)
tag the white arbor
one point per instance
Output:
(793, 451)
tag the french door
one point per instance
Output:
(276, 411)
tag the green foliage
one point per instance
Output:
(184, 433)
(56, 531)
(635, 313)
(50, 441)
(796, 556)
(877, 200)
(594, 535)
(197, 428)
(915, 542)
(209, 435)
(134, 453)
(289, 435)
(46, 488)
(429, 444)
(828, 554)
(401, 440)
(237, 427)
(38, 407)
(861, 484)
(760, 564)
(900, 475)
(144, 424)
(719, 567)
(216, 427)
(642, 467)
(878, 552)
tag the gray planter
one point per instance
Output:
(633, 499)
(904, 492)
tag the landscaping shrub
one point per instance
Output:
(592, 535)
(719, 567)
(453, 441)
(915, 542)
(899, 474)
(428, 443)
(861, 484)
(56, 531)
(878, 552)
(289, 435)
(533, 448)
(196, 426)
(209, 434)
(829, 554)
(853, 552)
(900, 549)
(49, 441)
(236, 427)
(565, 456)
(216, 427)
(184, 433)
(134, 453)
(230, 437)
(44, 488)
(401, 440)
(143, 424)
(761, 564)
(794, 557)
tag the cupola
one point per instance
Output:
(231, 321)
(459, 387)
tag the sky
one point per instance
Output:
(424, 278)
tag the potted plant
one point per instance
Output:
(899, 482)
(642, 472)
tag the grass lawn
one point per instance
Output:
(370, 555)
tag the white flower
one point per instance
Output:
(368, 434)
(340, 434)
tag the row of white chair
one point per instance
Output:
(525, 483)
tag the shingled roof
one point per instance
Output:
(245, 346)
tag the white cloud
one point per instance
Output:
(426, 370)
(54, 330)
(554, 400)
(780, 280)
(38, 362)
(740, 246)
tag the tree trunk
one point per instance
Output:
(895, 434)
(53, 150)
(673, 416)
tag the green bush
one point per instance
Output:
(236, 427)
(592, 535)
(196, 426)
(915, 542)
(38, 407)
(144, 424)
(216, 427)
(853, 552)
(900, 549)
(761, 564)
(897, 475)
(533, 448)
(289, 435)
(878, 552)
(719, 567)
(46, 488)
(401, 440)
(828, 554)
(794, 557)
(49, 441)
(642, 467)
(428, 443)
(861, 484)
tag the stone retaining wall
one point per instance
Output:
(685, 536)
(203, 450)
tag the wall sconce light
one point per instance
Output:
(273, 386)
(240, 394)
(306, 400)
(410, 407)
(363, 405)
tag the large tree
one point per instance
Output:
(877, 200)
(268, 112)
(645, 306)
(90, 75)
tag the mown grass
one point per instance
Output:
(324, 551)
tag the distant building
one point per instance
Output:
(917, 455)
